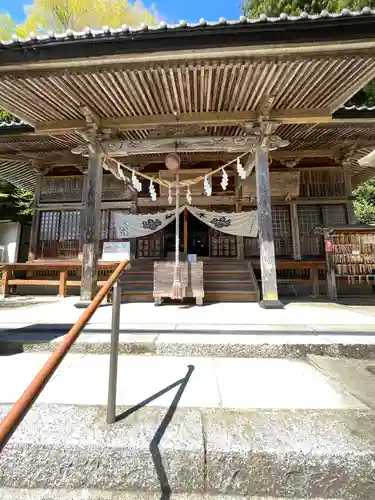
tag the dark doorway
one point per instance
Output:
(197, 236)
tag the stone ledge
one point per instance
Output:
(22, 494)
(276, 345)
(284, 454)
(63, 446)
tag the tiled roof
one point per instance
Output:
(11, 124)
(357, 108)
(107, 32)
(6, 125)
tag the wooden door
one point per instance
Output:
(150, 246)
(222, 245)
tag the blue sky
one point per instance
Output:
(170, 10)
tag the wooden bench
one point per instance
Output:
(311, 266)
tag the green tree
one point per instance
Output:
(364, 204)
(15, 203)
(273, 8)
(59, 15)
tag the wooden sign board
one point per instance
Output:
(115, 251)
(282, 184)
(195, 189)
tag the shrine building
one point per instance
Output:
(254, 111)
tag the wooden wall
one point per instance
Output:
(321, 200)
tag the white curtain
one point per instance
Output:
(138, 225)
(235, 223)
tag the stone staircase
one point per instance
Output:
(225, 280)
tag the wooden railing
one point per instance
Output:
(48, 274)
(309, 272)
(20, 409)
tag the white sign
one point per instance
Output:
(192, 258)
(114, 251)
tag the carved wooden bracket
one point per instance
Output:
(293, 162)
(40, 168)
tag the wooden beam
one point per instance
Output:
(351, 48)
(206, 201)
(223, 118)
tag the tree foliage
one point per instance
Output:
(15, 203)
(59, 15)
(364, 204)
(273, 8)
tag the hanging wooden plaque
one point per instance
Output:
(282, 184)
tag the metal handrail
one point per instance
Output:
(20, 409)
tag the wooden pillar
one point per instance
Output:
(266, 242)
(186, 234)
(331, 277)
(296, 240)
(239, 239)
(352, 219)
(35, 224)
(82, 214)
(91, 224)
(133, 241)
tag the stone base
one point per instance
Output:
(271, 304)
(202, 451)
(82, 304)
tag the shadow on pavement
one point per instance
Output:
(166, 490)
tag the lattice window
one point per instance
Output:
(322, 183)
(334, 215)
(70, 225)
(282, 231)
(49, 226)
(59, 234)
(310, 216)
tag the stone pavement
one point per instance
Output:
(236, 317)
(214, 383)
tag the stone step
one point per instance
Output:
(90, 494)
(252, 341)
(278, 454)
(230, 285)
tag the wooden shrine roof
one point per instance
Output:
(212, 75)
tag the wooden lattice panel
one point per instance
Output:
(334, 215)
(322, 183)
(149, 246)
(310, 216)
(223, 245)
(55, 189)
